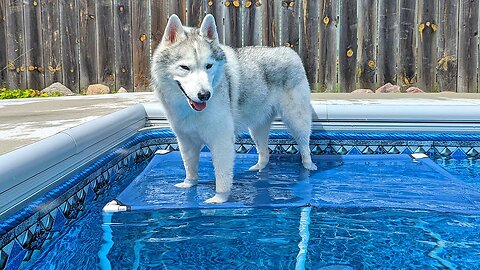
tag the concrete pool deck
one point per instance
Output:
(25, 121)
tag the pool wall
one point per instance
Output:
(46, 185)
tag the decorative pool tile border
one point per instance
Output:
(25, 234)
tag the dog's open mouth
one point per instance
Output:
(197, 106)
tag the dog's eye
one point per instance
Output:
(184, 67)
(209, 66)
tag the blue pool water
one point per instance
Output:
(467, 170)
(307, 237)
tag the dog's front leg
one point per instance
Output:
(190, 151)
(223, 154)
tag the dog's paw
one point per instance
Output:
(186, 184)
(310, 166)
(258, 167)
(218, 198)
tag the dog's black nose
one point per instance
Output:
(204, 95)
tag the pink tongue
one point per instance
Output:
(198, 106)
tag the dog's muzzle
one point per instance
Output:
(197, 106)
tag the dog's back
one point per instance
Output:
(276, 66)
(266, 75)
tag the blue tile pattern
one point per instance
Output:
(16, 256)
(26, 233)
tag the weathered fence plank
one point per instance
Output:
(16, 75)
(105, 43)
(290, 33)
(178, 7)
(233, 23)
(310, 41)
(215, 7)
(195, 12)
(468, 48)
(88, 43)
(159, 20)
(427, 55)
(52, 40)
(69, 32)
(34, 44)
(387, 37)
(367, 43)
(271, 28)
(252, 32)
(327, 71)
(123, 45)
(447, 69)
(3, 45)
(348, 45)
(407, 30)
(141, 46)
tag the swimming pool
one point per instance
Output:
(296, 235)
(63, 225)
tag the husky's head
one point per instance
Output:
(190, 60)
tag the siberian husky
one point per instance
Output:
(210, 92)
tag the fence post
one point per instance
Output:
(387, 41)
(16, 75)
(271, 27)
(52, 40)
(310, 52)
(407, 32)
(427, 28)
(468, 47)
(123, 44)
(178, 7)
(366, 39)
(327, 46)
(290, 34)
(447, 69)
(34, 45)
(3, 45)
(88, 44)
(233, 23)
(348, 46)
(252, 34)
(195, 13)
(105, 43)
(69, 32)
(159, 18)
(141, 46)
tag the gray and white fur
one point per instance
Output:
(210, 92)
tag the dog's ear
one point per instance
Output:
(174, 30)
(208, 29)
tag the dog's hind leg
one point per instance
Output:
(190, 151)
(259, 135)
(296, 112)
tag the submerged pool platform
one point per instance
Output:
(359, 181)
(47, 186)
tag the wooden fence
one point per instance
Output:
(345, 44)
